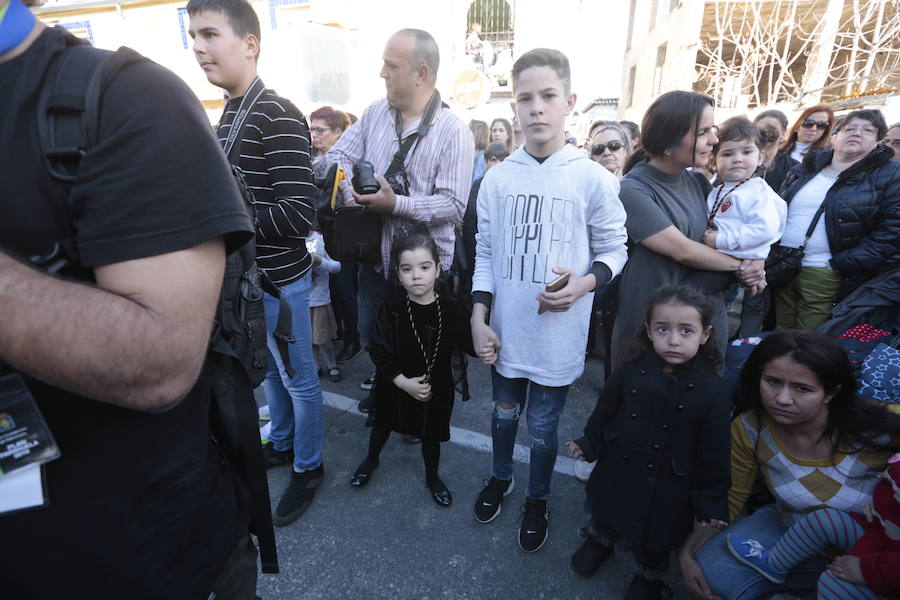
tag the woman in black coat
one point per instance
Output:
(858, 235)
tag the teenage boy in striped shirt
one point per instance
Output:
(274, 156)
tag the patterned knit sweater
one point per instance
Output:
(845, 482)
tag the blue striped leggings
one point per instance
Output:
(810, 536)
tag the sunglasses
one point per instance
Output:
(809, 123)
(613, 145)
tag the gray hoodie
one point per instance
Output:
(564, 212)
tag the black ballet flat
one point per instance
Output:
(362, 476)
(440, 494)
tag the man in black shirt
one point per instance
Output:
(274, 156)
(139, 504)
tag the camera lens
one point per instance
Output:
(363, 179)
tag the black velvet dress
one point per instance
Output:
(394, 350)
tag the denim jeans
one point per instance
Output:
(733, 581)
(373, 291)
(545, 404)
(343, 299)
(295, 403)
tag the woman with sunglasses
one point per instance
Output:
(855, 237)
(610, 147)
(810, 133)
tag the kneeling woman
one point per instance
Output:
(816, 445)
(412, 347)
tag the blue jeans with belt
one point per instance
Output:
(732, 580)
(295, 403)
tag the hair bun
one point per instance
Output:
(407, 230)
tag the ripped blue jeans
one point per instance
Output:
(544, 407)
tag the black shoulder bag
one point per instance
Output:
(783, 264)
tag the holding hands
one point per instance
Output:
(485, 342)
(752, 275)
(415, 387)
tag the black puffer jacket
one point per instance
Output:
(862, 213)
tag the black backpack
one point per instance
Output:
(68, 125)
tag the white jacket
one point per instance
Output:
(750, 219)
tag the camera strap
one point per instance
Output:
(253, 94)
(405, 145)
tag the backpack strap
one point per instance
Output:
(68, 123)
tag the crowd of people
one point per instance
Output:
(499, 240)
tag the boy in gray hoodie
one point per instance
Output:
(545, 212)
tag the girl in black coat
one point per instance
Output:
(412, 346)
(660, 435)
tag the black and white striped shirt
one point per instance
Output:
(275, 160)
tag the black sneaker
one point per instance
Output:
(276, 458)
(368, 384)
(298, 496)
(487, 505)
(348, 352)
(367, 404)
(533, 531)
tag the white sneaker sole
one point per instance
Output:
(509, 490)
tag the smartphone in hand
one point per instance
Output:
(554, 286)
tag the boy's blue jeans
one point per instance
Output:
(295, 404)
(545, 404)
(732, 580)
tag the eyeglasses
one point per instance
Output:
(865, 129)
(892, 143)
(613, 145)
(320, 130)
(820, 125)
(702, 132)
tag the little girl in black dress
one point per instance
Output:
(412, 346)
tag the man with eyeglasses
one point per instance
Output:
(892, 140)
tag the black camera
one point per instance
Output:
(363, 179)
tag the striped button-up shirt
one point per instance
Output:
(439, 168)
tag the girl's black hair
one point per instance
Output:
(852, 421)
(412, 236)
(671, 117)
(685, 295)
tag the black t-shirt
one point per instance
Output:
(140, 505)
